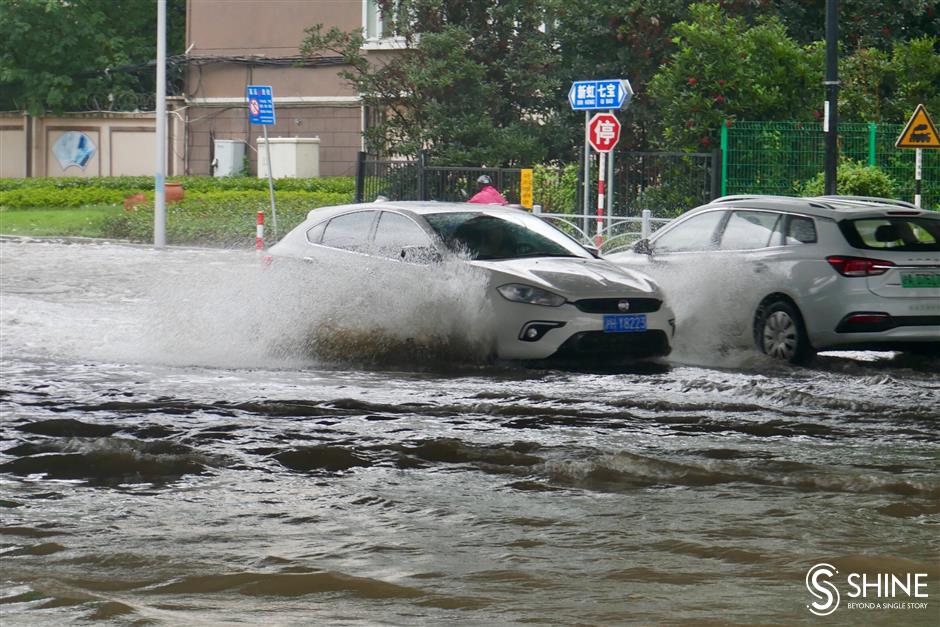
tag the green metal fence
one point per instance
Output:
(779, 157)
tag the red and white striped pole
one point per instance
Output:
(601, 189)
(259, 233)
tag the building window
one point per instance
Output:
(379, 30)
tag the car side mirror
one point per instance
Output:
(594, 250)
(643, 247)
(420, 254)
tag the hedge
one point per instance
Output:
(51, 197)
(222, 218)
(50, 192)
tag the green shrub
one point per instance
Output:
(131, 184)
(853, 179)
(225, 218)
(556, 188)
(48, 192)
(25, 197)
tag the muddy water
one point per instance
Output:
(187, 440)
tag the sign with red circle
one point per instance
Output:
(603, 132)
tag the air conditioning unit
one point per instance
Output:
(229, 157)
(294, 157)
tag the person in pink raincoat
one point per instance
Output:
(488, 195)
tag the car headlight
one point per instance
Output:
(519, 293)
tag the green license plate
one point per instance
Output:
(920, 279)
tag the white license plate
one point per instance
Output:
(625, 323)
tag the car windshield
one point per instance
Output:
(488, 237)
(893, 233)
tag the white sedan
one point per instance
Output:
(549, 297)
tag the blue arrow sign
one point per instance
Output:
(260, 104)
(612, 93)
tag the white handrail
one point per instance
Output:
(612, 241)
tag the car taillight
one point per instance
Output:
(859, 266)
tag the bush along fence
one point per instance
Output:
(782, 157)
(414, 179)
(668, 182)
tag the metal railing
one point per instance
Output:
(667, 182)
(413, 179)
(617, 233)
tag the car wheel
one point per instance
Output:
(780, 333)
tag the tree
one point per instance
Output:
(58, 55)
(862, 23)
(615, 39)
(723, 69)
(475, 85)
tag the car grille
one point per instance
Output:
(611, 305)
(600, 344)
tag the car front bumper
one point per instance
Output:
(566, 332)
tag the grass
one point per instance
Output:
(87, 221)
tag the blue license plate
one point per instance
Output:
(625, 323)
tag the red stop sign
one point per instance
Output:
(603, 132)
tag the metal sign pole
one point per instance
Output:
(587, 171)
(918, 170)
(601, 171)
(267, 150)
(159, 180)
(610, 186)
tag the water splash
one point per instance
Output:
(222, 308)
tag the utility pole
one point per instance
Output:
(159, 180)
(831, 113)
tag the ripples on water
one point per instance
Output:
(170, 456)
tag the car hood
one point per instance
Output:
(573, 278)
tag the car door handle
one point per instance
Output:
(760, 267)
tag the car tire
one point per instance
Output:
(780, 333)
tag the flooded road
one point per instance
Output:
(188, 440)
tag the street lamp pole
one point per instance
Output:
(159, 182)
(831, 113)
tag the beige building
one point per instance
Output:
(232, 44)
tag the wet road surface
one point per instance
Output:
(187, 440)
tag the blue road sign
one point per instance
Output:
(260, 104)
(612, 93)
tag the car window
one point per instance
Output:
(747, 230)
(696, 233)
(893, 233)
(314, 234)
(484, 236)
(800, 230)
(395, 232)
(349, 231)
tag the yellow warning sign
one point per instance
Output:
(920, 131)
(525, 188)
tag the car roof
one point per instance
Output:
(834, 207)
(419, 207)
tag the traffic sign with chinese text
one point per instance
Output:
(920, 131)
(525, 187)
(603, 132)
(612, 93)
(260, 104)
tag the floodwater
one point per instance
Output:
(189, 440)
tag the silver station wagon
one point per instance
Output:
(546, 295)
(826, 273)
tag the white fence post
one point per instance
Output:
(645, 226)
